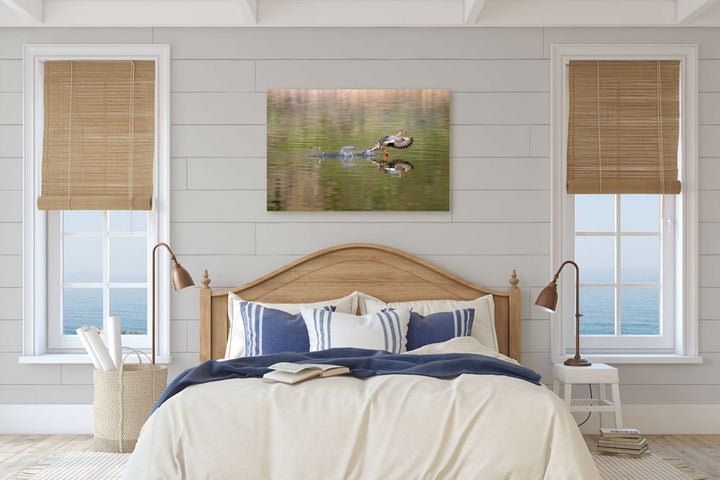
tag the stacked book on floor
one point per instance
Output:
(624, 441)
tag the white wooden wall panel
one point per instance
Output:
(213, 238)
(499, 79)
(11, 301)
(226, 173)
(467, 173)
(10, 239)
(13, 39)
(457, 75)
(213, 108)
(11, 108)
(10, 75)
(414, 238)
(366, 43)
(10, 140)
(511, 206)
(212, 75)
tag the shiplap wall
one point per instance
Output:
(499, 79)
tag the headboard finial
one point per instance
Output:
(205, 280)
(514, 279)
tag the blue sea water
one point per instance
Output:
(83, 306)
(640, 311)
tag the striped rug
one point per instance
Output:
(110, 466)
(76, 466)
(651, 466)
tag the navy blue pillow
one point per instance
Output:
(439, 327)
(268, 330)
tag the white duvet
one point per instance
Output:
(383, 427)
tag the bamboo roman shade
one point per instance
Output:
(99, 135)
(624, 126)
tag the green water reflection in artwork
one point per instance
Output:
(361, 150)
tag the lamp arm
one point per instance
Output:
(577, 283)
(172, 255)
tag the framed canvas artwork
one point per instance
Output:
(363, 150)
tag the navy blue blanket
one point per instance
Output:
(362, 363)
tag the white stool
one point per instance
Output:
(599, 374)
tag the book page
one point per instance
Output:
(299, 367)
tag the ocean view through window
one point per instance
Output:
(104, 270)
(618, 245)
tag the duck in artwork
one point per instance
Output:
(399, 168)
(395, 141)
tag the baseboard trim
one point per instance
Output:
(46, 419)
(650, 419)
(663, 419)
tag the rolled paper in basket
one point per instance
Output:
(88, 348)
(96, 343)
(114, 341)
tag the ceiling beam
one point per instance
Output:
(472, 11)
(690, 9)
(31, 9)
(249, 10)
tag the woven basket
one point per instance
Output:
(122, 403)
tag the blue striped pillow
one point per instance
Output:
(377, 331)
(273, 331)
(439, 327)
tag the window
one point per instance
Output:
(98, 261)
(637, 252)
(82, 266)
(626, 287)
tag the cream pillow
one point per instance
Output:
(483, 326)
(236, 337)
(377, 331)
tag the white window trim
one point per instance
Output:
(686, 334)
(35, 221)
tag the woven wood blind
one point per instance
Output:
(99, 135)
(624, 127)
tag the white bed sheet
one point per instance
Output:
(384, 427)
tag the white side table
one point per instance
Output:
(599, 374)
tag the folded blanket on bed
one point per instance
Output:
(362, 363)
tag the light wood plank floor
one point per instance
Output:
(700, 451)
(19, 451)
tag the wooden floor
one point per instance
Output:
(19, 451)
(701, 451)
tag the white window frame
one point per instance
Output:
(684, 346)
(35, 222)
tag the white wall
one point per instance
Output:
(499, 79)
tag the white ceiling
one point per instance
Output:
(356, 13)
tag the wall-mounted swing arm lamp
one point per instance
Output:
(180, 279)
(547, 300)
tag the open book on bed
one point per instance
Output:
(292, 373)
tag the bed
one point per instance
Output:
(384, 426)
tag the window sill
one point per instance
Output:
(78, 359)
(643, 358)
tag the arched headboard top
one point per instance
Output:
(383, 272)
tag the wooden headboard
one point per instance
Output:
(383, 272)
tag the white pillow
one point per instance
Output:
(236, 336)
(460, 345)
(483, 325)
(377, 331)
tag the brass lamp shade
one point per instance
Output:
(181, 278)
(548, 298)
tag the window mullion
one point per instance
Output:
(618, 279)
(106, 267)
